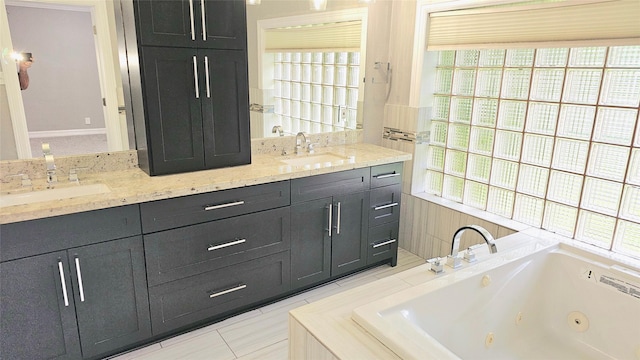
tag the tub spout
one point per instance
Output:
(453, 260)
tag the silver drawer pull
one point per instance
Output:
(195, 77)
(80, 284)
(63, 283)
(239, 287)
(385, 206)
(384, 176)
(206, 73)
(222, 246)
(338, 222)
(193, 31)
(384, 243)
(204, 22)
(330, 218)
(221, 206)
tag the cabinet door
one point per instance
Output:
(349, 238)
(225, 108)
(38, 317)
(110, 288)
(167, 22)
(172, 92)
(225, 24)
(310, 242)
(214, 24)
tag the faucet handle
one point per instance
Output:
(311, 147)
(24, 178)
(469, 255)
(436, 265)
(73, 173)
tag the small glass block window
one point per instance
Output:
(556, 57)
(560, 219)
(452, 188)
(542, 118)
(485, 112)
(608, 161)
(627, 238)
(576, 121)
(582, 86)
(475, 194)
(528, 210)
(515, 83)
(615, 125)
(596, 229)
(512, 115)
(588, 57)
(532, 180)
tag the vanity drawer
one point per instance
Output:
(34, 237)
(195, 299)
(384, 204)
(388, 174)
(382, 242)
(339, 183)
(191, 250)
(193, 209)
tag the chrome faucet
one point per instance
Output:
(277, 129)
(302, 142)
(51, 166)
(453, 260)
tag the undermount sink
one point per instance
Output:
(52, 194)
(316, 160)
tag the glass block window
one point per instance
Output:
(316, 92)
(547, 137)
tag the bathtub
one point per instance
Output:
(540, 301)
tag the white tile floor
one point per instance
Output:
(262, 333)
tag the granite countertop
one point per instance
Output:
(133, 186)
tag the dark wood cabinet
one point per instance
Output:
(196, 299)
(311, 242)
(38, 316)
(110, 291)
(329, 221)
(349, 233)
(75, 302)
(192, 23)
(91, 284)
(195, 86)
(197, 108)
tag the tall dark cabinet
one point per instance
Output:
(195, 90)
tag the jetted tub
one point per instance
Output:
(546, 300)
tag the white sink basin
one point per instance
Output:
(53, 194)
(316, 160)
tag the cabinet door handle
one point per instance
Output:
(330, 218)
(206, 73)
(63, 283)
(385, 206)
(204, 22)
(223, 292)
(80, 285)
(384, 176)
(193, 28)
(338, 220)
(222, 246)
(195, 77)
(390, 241)
(214, 207)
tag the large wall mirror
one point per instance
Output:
(77, 97)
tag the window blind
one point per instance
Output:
(527, 25)
(341, 36)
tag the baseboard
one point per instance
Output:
(71, 132)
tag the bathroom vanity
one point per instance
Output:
(90, 276)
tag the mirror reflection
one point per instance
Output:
(75, 100)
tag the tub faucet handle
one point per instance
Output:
(469, 255)
(436, 265)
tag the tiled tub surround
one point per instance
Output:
(131, 186)
(326, 329)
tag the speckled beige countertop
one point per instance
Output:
(133, 186)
